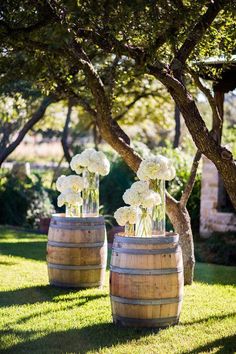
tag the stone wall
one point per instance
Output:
(211, 219)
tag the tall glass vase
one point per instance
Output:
(144, 223)
(73, 210)
(90, 194)
(159, 211)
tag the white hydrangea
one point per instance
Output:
(140, 186)
(69, 198)
(131, 197)
(158, 167)
(139, 194)
(61, 183)
(70, 183)
(126, 215)
(94, 161)
(75, 183)
(151, 199)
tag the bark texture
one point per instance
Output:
(64, 139)
(177, 127)
(180, 218)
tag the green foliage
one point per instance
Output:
(176, 187)
(219, 248)
(113, 186)
(23, 202)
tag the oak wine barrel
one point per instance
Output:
(146, 281)
(76, 251)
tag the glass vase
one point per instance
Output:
(73, 210)
(129, 229)
(90, 194)
(144, 223)
(159, 211)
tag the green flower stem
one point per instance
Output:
(144, 224)
(73, 210)
(158, 214)
(90, 194)
(129, 229)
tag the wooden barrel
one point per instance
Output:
(76, 251)
(146, 281)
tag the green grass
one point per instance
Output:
(36, 318)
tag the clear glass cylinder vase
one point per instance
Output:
(129, 229)
(90, 194)
(159, 211)
(144, 223)
(73, 210)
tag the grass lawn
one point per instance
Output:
(36, 318)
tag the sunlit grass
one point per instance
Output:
(37, 318)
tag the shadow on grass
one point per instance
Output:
(209, 318)
(7, 263)
(225, 345)
(35, 250)
(99, 336)
(94, 337)
(39, 294)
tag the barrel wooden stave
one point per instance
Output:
(77, 279)
(76, 252)
(75, 255)
(146, 289)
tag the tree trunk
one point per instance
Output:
(217, 125)
(64, 139)
(180, 219)
(177, 127)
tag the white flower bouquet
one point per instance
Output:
(91, 163)
(70, 188)
(157, 167)
(91, 160)
(141, 200)
(71, 183)
(157, 170)
(127, 216)
(140, 195)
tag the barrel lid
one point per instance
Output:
(71, 219)
(170, 237)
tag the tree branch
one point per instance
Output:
(217, 121)
(39, 113)
(64, 139)
(190, 183)
(197, 33)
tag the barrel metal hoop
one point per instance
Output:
(76, 245)
(82, 220)
(139, 271)
(73, 285)
(123, 300)
(76, 226)
(146, 251)
(149, 321)
(76, 267)
(149, 240)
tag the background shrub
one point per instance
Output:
(23, 202)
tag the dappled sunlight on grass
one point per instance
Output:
(38, 318)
